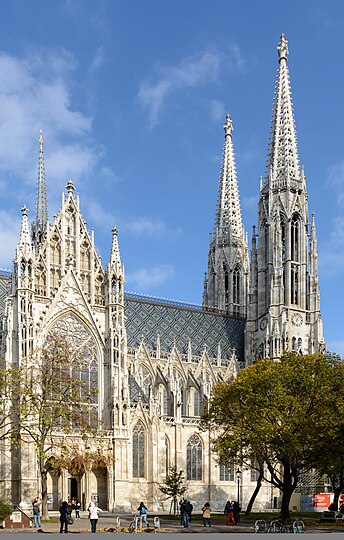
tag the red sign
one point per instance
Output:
(322, 500)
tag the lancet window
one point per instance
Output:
(294, 240)
(227, 472)
(139, 451)
(236, 289)
(194, 456)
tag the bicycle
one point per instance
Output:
(276, 526)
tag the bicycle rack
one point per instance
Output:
(156, 524)
(118, 524)
(298, 527)
(260, 526)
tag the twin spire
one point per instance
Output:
(283, 164)
(228, 213)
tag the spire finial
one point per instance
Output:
(40, 141)
(282, 48)
(228, 127)
(70, 186)
(24, 210)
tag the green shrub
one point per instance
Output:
(5, 509)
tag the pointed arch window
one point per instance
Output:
(294, 238)
(226, 283)
(139, 451)
(196, 409)
(227, 472)
(293, 344)
(194, 456)
(294, 284)
(236, 289)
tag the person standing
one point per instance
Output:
(206, 513)
(236, 511)
(229, 511)
(93, 514)
(36, 509)
(64, 513)
(185, 511)
(142, 510)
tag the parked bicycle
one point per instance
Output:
(277, 526)
(298, 526)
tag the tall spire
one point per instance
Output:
(226, 286)
(283, 161)
(115, 258)
(228, 213)
(40, 224)
(24, 245)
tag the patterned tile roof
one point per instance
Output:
(179, 325)
(5, 282)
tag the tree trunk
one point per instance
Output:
(255, 493)
(44, 483)
(287, 491)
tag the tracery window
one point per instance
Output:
(226, 280)
(227, 472)
(236, 288)
(294, 232)
(84, 353)
(196, 409)
(294, 284)
(139, 451)
(194, 455)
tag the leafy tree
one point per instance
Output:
(52, 400)
(5, 509)
(8, 385)
(173, 487)
(280, 411)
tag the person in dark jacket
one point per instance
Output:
(64, 513)
(236, 511)
(229, 513)
(185, 512)
(142, 510)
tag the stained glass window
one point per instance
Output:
(194, 458)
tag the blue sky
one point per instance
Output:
(132, 96)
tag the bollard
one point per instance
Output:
(118, 524)
(156, 524)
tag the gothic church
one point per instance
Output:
(155, 362)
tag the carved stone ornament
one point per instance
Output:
(297, 319)
(263, 323)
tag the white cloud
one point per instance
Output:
(193, 71)
(36, 92)
(145, 279)
(190, 72)
(9, 236)
(336, 175)
(153, 228)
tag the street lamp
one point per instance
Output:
(238, 473)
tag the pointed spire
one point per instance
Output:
(283, 160)
(24, 231)
(39, 226)
(115, 258)
(24, 244)
(228, 213)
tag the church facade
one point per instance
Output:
(154, 362)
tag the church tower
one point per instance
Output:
(225, 287)
(284, 297)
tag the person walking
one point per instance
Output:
(77, 509)
(64, 513)
(206, 513)
(36, 509)
(93, 514)
(229, 512)
(142, 510)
